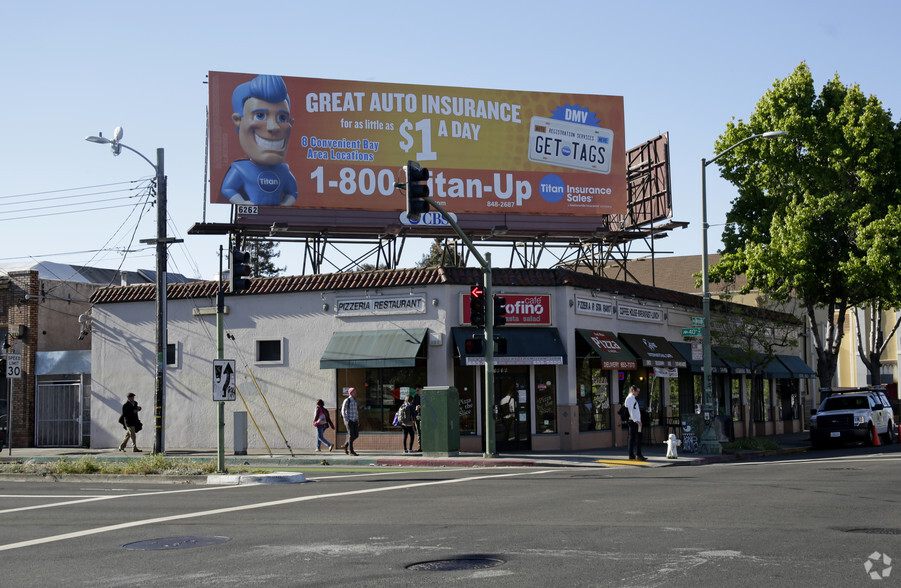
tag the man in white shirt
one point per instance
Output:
(634, 424)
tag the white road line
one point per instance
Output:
(218, 511)
(81, 499)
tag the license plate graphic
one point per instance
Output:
(567, 144)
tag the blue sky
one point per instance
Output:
(75, 69)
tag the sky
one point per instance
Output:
(78, 69)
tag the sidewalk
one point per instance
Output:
(283, 457)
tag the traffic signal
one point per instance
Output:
(238, 270)
(500, 311)
(500, 345)
(417, 189)
(473, 347)
(477, 306)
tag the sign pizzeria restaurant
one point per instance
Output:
(377, 306)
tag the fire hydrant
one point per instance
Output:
(671, 444)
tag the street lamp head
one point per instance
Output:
(97, 139)
(773, 134)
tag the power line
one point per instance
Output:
(70, 189)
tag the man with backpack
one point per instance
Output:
(406, 418)
(634, 424)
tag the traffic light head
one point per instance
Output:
(477, 306)
(500, 311)
(238, 270)
(473, 347)
(417, 190)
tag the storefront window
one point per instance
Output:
(465, 378)
(545, 399)
(760, 399)
(736, 399)
(380, 392)
(655, 403)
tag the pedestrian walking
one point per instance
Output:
(322, 421)
(351, 417)
(634, 424)
(417, 416)
(131, 422)
(405, 416)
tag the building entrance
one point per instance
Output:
(512, 401)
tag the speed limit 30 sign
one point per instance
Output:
(14, 366)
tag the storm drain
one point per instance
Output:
(175, 543)
(456, 564)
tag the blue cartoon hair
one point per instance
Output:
(268, 88)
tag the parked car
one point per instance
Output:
(853, 415)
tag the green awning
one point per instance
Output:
(798, 367)
(525, 346)
(373, 349)
(653, 351)
(614, 355)
(697, 365)
(737, 360)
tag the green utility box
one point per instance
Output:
(440, 412)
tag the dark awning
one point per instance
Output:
(372, 349)
(697, 366)
(737, 360)
(614, 355)
(525, 346)
(653, 351)
(775, 369)
(799, 368)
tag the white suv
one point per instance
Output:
(853, 415)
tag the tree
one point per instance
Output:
(443, 253)
(263, 252)
(816, 216)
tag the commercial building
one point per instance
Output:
(574, 343)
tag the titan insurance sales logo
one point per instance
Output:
(878, 566)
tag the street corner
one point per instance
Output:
(242, 479)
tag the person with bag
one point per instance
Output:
(131, 422)
(407, 420)
(322, 421)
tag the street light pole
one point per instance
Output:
(709, 443)
(161, 241)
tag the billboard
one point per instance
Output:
(303, 144)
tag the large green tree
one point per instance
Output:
(263, 253)
(816, 216)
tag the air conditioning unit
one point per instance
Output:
(17, 331)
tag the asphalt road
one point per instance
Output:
(806, 520)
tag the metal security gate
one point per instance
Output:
(57, 414)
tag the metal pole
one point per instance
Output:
(490, 444)
(159, 445)
(220, 354)
(708, 441)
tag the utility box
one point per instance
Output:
(240, 433)
(440, 413)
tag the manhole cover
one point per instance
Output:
(175, 543)
(460, 563)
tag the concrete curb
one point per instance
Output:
(239, 479)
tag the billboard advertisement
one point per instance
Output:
(315, 144)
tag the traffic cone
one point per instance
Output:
(876, 441)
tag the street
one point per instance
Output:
(807, 519)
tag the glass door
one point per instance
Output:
(512, 401)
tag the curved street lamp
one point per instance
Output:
(709, 443)
(161, 241)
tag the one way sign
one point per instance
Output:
(223, 380)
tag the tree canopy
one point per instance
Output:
(818, 216)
